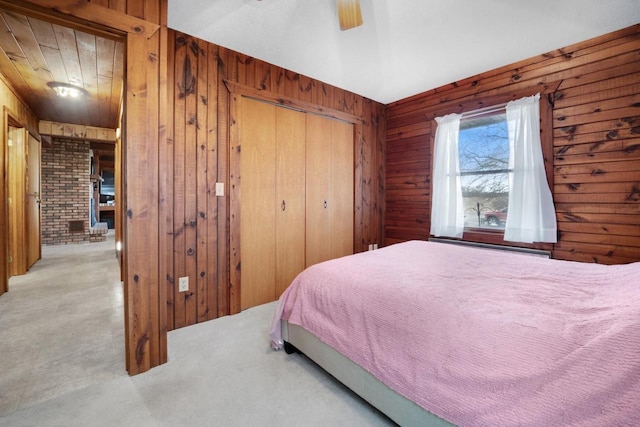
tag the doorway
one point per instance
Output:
(37, 94)
(141, 29)
(23, 182)
(52, 303)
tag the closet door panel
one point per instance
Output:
(341, 189)
(289, 203)
(258, 192)
(318, 174)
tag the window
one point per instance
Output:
(489, 171)
(483, 149)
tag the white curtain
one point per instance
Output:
(447, 212)
(532, 216)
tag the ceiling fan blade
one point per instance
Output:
(349, 14)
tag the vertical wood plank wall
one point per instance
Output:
(195, 156)
(596, 140)
(143, 132)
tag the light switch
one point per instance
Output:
(219, 189)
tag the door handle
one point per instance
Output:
(325, 204)
(283, 206)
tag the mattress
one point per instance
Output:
(481, 337)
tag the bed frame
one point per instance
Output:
(397, 407)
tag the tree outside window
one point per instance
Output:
(484, 170)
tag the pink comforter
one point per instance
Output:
(481, 337)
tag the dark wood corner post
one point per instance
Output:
(145, 134)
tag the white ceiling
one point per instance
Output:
(405, 46)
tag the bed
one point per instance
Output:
(439, 334)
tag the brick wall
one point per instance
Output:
(65, 191)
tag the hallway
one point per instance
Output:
(61, 325)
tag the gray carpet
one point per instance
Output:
(61, 325)
(220, 373)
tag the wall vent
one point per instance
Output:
(76, 226)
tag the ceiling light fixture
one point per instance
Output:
(66, 90)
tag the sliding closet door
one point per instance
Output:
(296, 195)
(258, 192)
(341, 188)
(290, 201)
(329, 224)
(272, 212)
(319, 203)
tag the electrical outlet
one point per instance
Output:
(375, 246)
(183, 284)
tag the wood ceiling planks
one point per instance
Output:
(34, 52)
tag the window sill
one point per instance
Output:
(496, 237)
(490, 231)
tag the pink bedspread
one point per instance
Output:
(482, 337)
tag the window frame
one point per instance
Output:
(496, 237)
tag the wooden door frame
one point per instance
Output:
(146, 45)
(10, 119)
(4, 207)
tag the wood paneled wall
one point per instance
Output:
(14, 109)
(196, 156)
(17, 108)
(595, 87)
